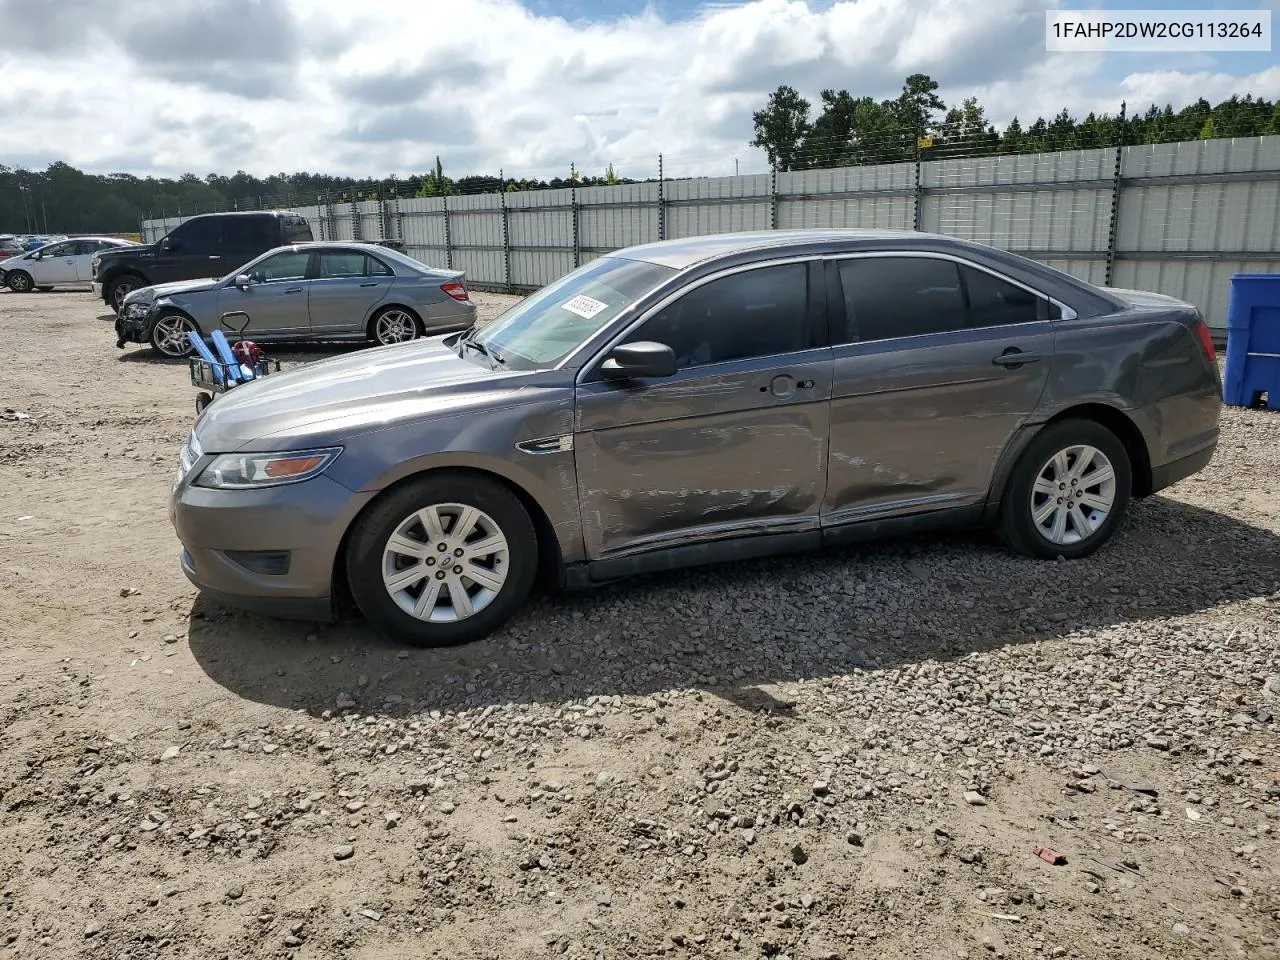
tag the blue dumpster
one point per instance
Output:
(1253, 341)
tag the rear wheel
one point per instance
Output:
(169, 335)
(19, 281)
(1068, 492)
(442, 560)
(395, 325)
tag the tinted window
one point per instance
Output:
(196, 236)
(248, 235)
(994, 303)
(58, 250)
(376, 268)
(282, 267)
(84, 247)
(758, 313)
(296, 230)
(888, 297)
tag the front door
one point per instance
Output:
(937, 366)
(57, 264)
(346, 286)
(275, 299)
(85, 249)
(735, 443)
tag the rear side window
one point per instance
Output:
(296, 230)
(756, 313)
(887, 297)
(890, 297)
(248, 234)
(349, 263)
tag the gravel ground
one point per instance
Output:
(846, 755)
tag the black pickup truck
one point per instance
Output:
(210, 245)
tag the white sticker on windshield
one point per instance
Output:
(585, 307)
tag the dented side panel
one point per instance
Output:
(725, 450)
(918, 423)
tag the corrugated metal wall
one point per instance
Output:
(1188, 215)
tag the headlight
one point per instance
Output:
(241, 471)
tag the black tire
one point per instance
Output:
(19, 281)
(408, 316)
(203, 400)
(44, 289)
(118, 288)
(1018, 526)
(161, 340)
(371, 533)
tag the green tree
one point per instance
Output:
(917, 106)
(781, 127)
(435, 183)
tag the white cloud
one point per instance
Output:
(382, 86)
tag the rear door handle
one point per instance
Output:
(214, 256)
(294, 290)
(1013, 357)
(371, 283)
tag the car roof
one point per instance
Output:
(690, 250)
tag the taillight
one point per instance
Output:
(1206, 341)
(456, 290)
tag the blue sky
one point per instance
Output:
(1117, 65)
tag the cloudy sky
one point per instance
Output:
(381, 87)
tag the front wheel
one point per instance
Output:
(19, 281)
(395, 325)
(445, 559)
(1068, 492)
(121, 287)
(169, 335)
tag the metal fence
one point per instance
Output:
(1175, 218)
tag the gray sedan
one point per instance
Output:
(692, 401)
(310, 291)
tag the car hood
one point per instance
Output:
(177, 288)
(132, 250)
(321, 402)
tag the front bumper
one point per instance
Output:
(134, 326)
(223, 532)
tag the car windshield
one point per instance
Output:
(547, 326)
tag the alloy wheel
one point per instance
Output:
(20, 282)
(1073, 494)
(395, 326)
(170, 335)
(445, 563)
(122, 290)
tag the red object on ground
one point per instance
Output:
(1048, 856)
(247, 352)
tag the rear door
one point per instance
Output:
(938, 363)
(191, 251)
(347, 284)
(246, 237)
(275, 299)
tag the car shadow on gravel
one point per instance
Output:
(733, 628)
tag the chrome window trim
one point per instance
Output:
(1067, 313)
(674, 295)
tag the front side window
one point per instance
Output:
(282, 267)
(549, 325)
(755, 313)
(57, 250)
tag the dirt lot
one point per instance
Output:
(846, 755)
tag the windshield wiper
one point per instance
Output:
(468, 340)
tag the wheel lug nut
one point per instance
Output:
(1059, 499)
(431, 561)
(442, 547)
(458, 571)
(458, 552)
(439, 574)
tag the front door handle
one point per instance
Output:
(214, 256)
(1013, 358)
(371, 283)
(294, 290)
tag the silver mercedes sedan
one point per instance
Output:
(309, 291)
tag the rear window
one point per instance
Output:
(296, 230)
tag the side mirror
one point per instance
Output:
(243, 280)
(642, 358)
(167, 245)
